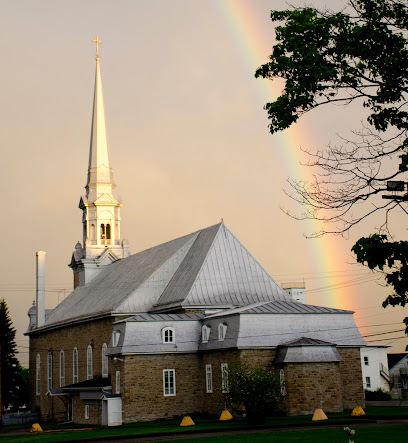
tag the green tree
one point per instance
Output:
(359, 54)
(258, 390)
(9, 363)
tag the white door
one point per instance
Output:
(114, 406)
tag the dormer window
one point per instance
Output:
(168, 335)
(205, 333)
(115, 338)
(222, 331)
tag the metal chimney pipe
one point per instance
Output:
(40, 287)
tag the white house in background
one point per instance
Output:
(398, 364)
(296, 290)
(374, 367)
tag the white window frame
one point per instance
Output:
(282, 382)
(208, 379)
(222, 331)
(115, 338)
(75, 365)
(38, 375)
(168, 335)
(366, 362)
(86, 412)
(62, 368)
(169, 382)
(105, 369)
(89, 363)
(117, 381)
(49, 371)
(205, 333)
(224, 378)
(368, 382)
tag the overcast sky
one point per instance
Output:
(188, 139)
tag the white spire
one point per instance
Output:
(100, 175)
(102, 243)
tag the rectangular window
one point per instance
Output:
(366, 361)
(49, 371)
(169, 382)
(75, 366)
(368, 382)
(86, 412)
(208, 379)
(38, 375)
(62, 368)
(117, 382)
(224, 377)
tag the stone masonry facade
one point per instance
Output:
(94, 333)
(331, 386)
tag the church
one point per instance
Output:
(151, 335)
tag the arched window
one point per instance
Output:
(49, 371)
(103, 234)
(108, 232)
(38, 375)
(75, 366)
(104, 360)
(89, 363)
(62, 368)
(168, 335)
(222, 331)
(205, 333)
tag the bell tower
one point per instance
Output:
(100, 207)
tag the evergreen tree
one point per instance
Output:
(9, 363)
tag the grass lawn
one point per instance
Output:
(67, 433)
(370, 435)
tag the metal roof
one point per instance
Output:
(280, 307)
(116, 283)
(164, 317)
(207, 268)
(305, 341)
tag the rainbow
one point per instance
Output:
(239, 17)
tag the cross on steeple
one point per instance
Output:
(97, 42)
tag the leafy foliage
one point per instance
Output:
(378, 395)
(391, 258)
(358, 54)
(258, 390)
(9, 363)
(330, 57)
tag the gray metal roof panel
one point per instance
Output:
(281, 307)
(116, 282)
(165, 317)
(180, 285)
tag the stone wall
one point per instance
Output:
(311, 386)
(94, 333)
(351, 377)
(143, 398)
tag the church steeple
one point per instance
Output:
(101, 209)
(100, 174)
